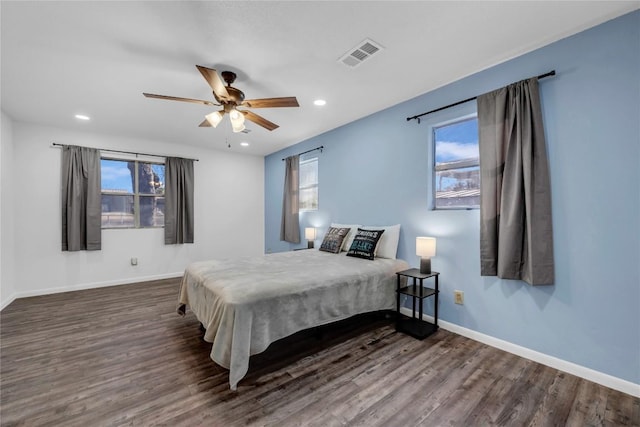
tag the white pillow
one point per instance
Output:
(348, 240)
(388, 244)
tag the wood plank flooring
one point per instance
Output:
(122, 356)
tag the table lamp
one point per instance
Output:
(425, 249)
(310, 235)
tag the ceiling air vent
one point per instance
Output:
(364, 50)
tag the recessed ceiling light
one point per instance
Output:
(82, 117)
(244, 144)
(319, 102)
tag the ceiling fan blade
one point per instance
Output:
(288, 101)
(214, 80)
(175, 98)
(259, 120)
(205, 124)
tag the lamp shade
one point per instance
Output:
(236, 117)
(237, 120)
(310, 233)
(425, 246)
(214, 118)
(237, 128)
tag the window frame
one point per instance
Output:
(435, 169)
(136, 191)
(310, 159)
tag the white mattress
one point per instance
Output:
(246, 304)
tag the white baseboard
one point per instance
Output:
(545, 359)
(8, 301)
(92, 285)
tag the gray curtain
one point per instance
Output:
(178, 201)
(516, 238)
(80, 197)
(290, 225)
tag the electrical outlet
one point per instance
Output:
(134, 261)
(458, 297)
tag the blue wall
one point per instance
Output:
(376, 171)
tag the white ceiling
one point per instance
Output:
(96, 58)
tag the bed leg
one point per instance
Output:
(182, 309)
(202, 330)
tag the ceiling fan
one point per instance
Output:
(229, 98)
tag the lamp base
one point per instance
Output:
(425, 265)
(309, 244)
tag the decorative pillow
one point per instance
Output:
(332, 241)
(388, 244)
(346, 244)
(364, 244)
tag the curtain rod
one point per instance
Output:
(55, 144)
(308, 151)
(541, 76)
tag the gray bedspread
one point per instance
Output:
(246, 304)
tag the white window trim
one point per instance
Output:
(434, 169)
(316, 185)
(136, 193)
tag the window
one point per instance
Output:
(132, 194)
(456, 172)
(309, 184)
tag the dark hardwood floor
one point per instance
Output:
(122, 356)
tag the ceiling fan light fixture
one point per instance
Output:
(237, 127)
(214, 118)
(236, 117)
(237, 120)
(228, 98)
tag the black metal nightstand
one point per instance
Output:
(416, 326)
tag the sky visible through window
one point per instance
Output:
(117, 176)
(456, 141)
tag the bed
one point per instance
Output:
(248, 303)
